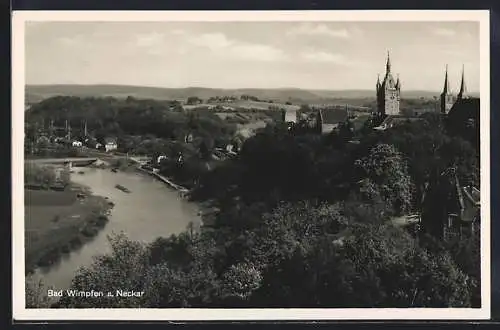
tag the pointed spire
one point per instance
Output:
(378, 81)
(463, 87)
(388, 65)
(398, 83)
(446, 88)
(319, 119)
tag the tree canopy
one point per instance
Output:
(302, 220)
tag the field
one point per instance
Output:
(245, 105)
(36, 93)
(57, 222)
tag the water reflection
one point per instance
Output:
(151, 210)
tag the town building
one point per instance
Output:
(388, 92)
(447, 98)
(465, 113)
(323, 118)
(450, 210)
(160, 158)
(290, 116)
(110, 144)
(329, 119)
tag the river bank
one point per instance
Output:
(59, 222)
(182, 190)
(207, 211)
(151, 210)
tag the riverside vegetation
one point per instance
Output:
(303, 220)
(58, 221)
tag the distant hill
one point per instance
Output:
(36, 93)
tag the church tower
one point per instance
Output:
(462, 94)
(388, 92)
(446, 97)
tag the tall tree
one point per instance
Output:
(386, 176)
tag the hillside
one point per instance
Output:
(36, 93)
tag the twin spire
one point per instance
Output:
(463, 88)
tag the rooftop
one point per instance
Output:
(334, 115)
(110, 140)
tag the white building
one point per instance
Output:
(160, 158)
(110, 144)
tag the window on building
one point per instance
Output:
(452, 218)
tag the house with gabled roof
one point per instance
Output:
(110, 143)
(329, 119)
(290, 115)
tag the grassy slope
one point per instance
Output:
(57, 222)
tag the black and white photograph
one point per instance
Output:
(251, 165)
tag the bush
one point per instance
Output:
(44, 176)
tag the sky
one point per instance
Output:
(309, 55)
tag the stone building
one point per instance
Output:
(388, 92)
(449, 209)
(290, 115)
(110, 144)
(329, 119)
(447, 98)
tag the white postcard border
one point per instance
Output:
(18, 90)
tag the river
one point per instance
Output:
(150, 210)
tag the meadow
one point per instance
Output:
(57, 222)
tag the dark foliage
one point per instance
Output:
(303, 220)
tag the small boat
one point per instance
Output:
(122, 188)
(114, 170)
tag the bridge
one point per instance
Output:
(69, 161)
(84, 161)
